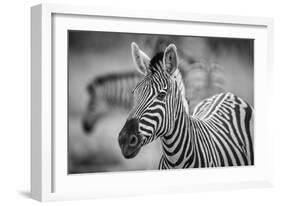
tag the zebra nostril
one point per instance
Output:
(133, 141)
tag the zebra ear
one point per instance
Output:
(141, 60)
(171, 59)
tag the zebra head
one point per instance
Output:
(157, 97)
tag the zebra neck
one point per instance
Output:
(178, 79)
(177, 146)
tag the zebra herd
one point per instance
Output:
(217, 132)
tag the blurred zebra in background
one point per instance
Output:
(202, 80)
(108, 92)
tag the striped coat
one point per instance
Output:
(218, 133)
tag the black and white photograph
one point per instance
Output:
(154, 102)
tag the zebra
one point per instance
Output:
(106, 93)
(203, 79)
(217, 134)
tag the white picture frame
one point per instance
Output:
(49, 178)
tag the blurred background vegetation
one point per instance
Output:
(92, 54)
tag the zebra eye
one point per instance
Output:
(161, 96)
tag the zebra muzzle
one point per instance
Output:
(129, 140)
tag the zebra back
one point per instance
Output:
(231, 118)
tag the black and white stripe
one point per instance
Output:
(217, 134)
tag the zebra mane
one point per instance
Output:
(154, 65)
(179, 81)
(156, 61)
(110, 77)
